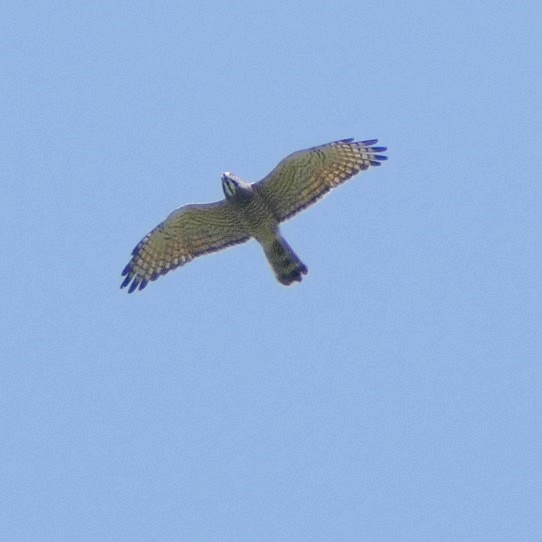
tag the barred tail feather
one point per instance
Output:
(287, 266)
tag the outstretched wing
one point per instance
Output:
(190, 231)
(305, 176)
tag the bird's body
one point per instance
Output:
(257, 217)
(251, 211)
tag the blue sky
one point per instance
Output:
(393, 395)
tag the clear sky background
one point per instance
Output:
(395, 394)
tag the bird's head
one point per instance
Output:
(234, 187)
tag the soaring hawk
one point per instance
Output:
(251, 211)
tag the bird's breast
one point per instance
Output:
(257, 216)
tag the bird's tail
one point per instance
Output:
(284, 261)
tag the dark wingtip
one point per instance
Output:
(133, 286)
(126, 281)
(136, 282)
(144, 283)
(369, 142)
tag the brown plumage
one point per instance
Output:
(251, 210)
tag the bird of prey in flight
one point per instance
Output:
(251, 211)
